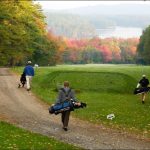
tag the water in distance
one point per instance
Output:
(120, 32)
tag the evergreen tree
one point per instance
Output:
(143, 48)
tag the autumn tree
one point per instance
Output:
(22, 32)
(128, 49)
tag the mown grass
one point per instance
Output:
(15, 138)
(105, 88)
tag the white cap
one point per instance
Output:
(143, 75)
(29, 62)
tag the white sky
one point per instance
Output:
(73, 4)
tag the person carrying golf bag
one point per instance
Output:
(66, 94)
(143, 87)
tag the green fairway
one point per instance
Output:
(105, 88)
(15, 138)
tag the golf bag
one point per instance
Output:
(141, 90)
(66, 105)
(22, 80)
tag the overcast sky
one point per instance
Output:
(73, 4)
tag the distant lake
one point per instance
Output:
(120, 32)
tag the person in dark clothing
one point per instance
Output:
(66, 94)
(143, 83)
(22, 80)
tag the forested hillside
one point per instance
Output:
(77, 27)
(106, 21)
(83, 22)
(69, 25)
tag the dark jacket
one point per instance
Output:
(144, 82)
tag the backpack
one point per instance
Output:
(66, 93)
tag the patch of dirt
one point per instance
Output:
(23, 109)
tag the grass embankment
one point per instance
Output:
(12, 137)
(105, 88)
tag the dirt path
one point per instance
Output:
(23, 109)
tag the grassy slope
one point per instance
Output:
(106, 89)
